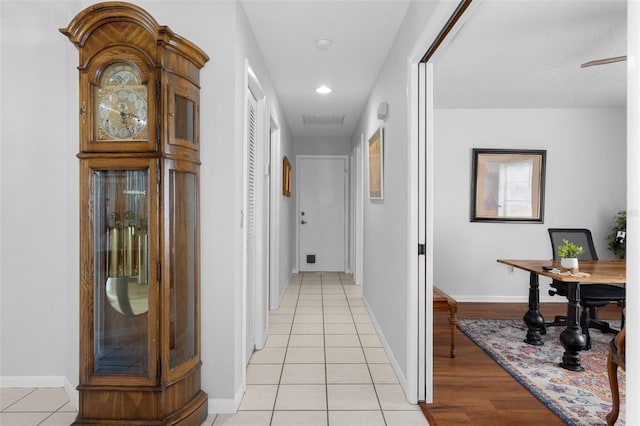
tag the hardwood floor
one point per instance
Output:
(472, 388)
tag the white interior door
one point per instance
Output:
(251, 259)
(322, 212)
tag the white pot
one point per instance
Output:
(569, 263)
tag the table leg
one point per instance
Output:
(453, 322)
(572, 339)
(533, 318)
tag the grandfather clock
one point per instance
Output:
(139, 219)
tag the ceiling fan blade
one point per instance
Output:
(604, 61)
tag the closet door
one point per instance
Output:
(251, 222)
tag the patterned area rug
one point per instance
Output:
(577, 398)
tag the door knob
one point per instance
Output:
(304, 222)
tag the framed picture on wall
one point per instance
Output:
(507, 185)
(376, 165)
(286, 177)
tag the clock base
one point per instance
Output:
(144, 405)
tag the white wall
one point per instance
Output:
(286, 223)
(386, 275)
(39, 188)
(585, 188)
(320, 145)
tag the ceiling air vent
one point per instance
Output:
(323, 119)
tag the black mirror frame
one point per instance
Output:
(538, 183)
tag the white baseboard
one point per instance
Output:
(226, 405)
(72, 393)
(216, 405)
(394, 363)
(282, 294)
(32, 381)
(42, 382)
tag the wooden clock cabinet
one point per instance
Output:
(139, 219)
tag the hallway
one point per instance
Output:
(323, 363)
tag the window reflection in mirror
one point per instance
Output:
(508, 188)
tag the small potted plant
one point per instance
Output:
(569, 253)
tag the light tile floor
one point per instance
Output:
(323, 364)
(35, 406)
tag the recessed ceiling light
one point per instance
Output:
(323, 43)
(323, 90)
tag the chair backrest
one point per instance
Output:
(578, 236)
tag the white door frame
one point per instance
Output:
(633, 204)
(345, 158)
(419, 385)
(425, 229)
(275, 171)
(357, 196)
(351, 267)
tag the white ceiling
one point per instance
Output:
(527, 54)
(508, 54)
(362, 32)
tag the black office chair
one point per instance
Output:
(592, 296)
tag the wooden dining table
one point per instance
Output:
(590, 272)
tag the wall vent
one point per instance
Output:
(323, 119)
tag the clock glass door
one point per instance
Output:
(183, 115)
(184, 278)
(121, 267)
(184, 118)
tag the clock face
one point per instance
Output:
(121, 104)
(122, 113)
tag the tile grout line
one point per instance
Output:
(275, 400)
(4, 410)
(324, 349)
(46, 418)
(375, 388)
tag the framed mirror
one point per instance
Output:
(507, 185)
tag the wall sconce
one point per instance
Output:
(383, 111)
